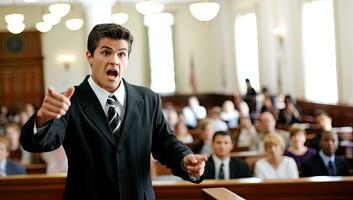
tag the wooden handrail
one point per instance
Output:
(40, 187)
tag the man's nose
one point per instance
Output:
(113, 60)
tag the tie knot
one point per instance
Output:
(111, 100)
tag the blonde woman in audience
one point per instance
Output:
(182, 133)
(275, 165)
(229, 114)
(247, 132)
(297, 150)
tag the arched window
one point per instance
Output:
(160, 43)
(246, 47)
(319, 51)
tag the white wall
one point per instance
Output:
(211, 44)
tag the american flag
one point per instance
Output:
(192, 76)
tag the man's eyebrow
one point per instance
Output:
(106, 47)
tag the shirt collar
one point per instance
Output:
(219, 161)
(326, 158)
(103, 95)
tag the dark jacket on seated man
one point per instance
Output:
(326, 163)
(237, 169)
(220, 165)
(316, 167)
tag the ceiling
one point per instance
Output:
(45, 2)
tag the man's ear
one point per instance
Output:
(89, 57)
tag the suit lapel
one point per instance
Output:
(133, 109)
(94, 110)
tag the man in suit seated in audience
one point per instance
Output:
(326, 163)
(220, 165)
(194, 112)
(8, 167)
(266, 125)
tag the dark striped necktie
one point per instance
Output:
(113, 115)
(221, 172)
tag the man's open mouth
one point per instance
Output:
(112, 73)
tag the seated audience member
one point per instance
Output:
(229, 114)
(247, 132)
(326, 163)
(3, 114)
(217, 122)
(275, 165)
(291, 113)
(23, 117)
(171, 116)
(269, 107)
(17, 153)
(203, 146)
(7, 166)
(182, 133)
(266, 125)
(56, 160)
(220, 165)
(297, 150)
(193, 112)
(324, 121)
(241, 105)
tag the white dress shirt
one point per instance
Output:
(103, 95)
(326, 159)
(217, 165)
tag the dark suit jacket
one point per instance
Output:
(12, 168)
(316, 167)
(102, 166)
(237, 169)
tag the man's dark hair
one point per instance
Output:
(109, 30)
(247, 80)
(222, 133)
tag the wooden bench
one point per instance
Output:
(44, 187)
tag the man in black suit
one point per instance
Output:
(326, 163)
(220, 165)
(109, 127)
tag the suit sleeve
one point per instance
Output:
(165, 147)
(48, 140)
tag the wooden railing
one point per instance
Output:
(40, 187)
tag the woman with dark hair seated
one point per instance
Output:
(297, 150)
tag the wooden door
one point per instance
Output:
(21, 69)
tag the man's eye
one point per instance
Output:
(105, 53)
(122, 54)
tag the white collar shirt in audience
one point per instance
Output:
(3, 167)
(103, 95)
(286, 169)
(217, 166)
(326, 159)
(192, 115)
